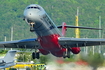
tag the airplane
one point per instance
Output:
(8, 60)
(49, 38)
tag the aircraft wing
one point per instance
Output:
(81, 27)
(67, 42)
(25, 43)
(7, 65)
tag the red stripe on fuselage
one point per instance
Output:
(50, 42)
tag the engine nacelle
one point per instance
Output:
(44, 52)
(75, 50)
(59, 53)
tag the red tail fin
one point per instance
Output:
(63, 29)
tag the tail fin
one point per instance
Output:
(10, 56)
(63, 29)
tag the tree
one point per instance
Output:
(95, 60)
(3, 51)
(23, 56)
(43, 59)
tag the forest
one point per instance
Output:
(11, 15)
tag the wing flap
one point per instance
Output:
(25, 43)
(79, 42)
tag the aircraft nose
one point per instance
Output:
(30, 14)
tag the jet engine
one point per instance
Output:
(44, 52)
(59, 53)
(75, 50)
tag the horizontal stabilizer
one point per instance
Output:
(81, 27)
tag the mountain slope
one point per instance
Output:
(11, 15)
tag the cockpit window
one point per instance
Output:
(33, 7)
(28, 8)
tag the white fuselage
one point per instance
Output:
(43, 24)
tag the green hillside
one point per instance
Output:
(11, 15)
